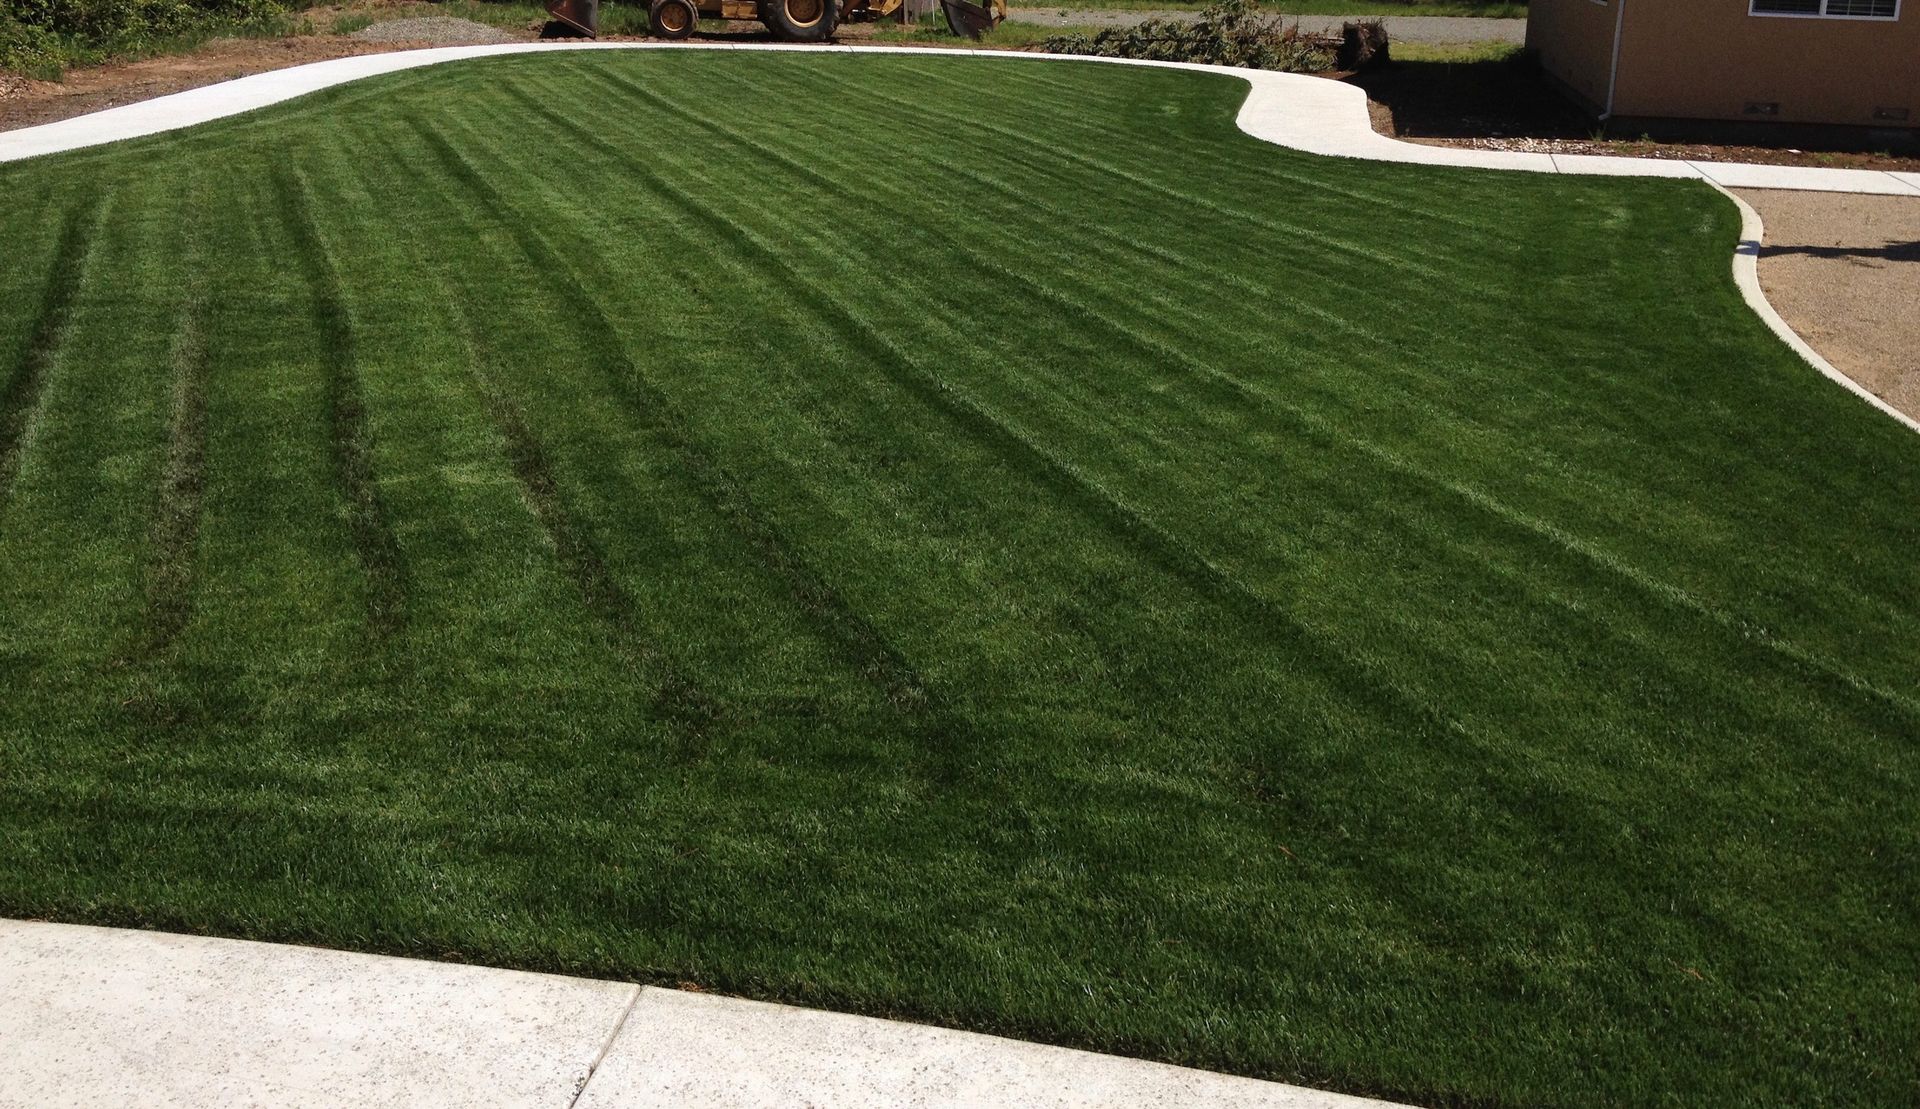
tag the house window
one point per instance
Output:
(1830, 9)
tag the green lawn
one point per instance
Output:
(1078, 573)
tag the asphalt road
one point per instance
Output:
(1401, 28)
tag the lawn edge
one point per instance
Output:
(1746, 275)
(471, 1033)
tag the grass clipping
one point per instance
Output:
(1232, 32)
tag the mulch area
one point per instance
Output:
(1504, 105)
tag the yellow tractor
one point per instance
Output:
(789, 20)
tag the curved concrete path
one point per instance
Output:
(107, 1016)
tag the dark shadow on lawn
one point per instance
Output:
(1465, 100)
(1511, 98)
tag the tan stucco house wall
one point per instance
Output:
(1712, 59)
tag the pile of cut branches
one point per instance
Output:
(1236, 33)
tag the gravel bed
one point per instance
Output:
(1845, 272)
(437, 30)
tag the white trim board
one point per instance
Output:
(1823, 13)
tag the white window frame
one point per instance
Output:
(1822, 14)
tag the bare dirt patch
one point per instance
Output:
(24, 103)
(1844, 271)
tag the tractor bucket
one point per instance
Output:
(580, 15)
(969, 20)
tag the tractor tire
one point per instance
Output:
(672, 19)
(800, 20)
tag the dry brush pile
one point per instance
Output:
(1235, 33)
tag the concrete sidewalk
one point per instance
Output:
(102, 1016)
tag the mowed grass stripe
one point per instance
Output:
(849, 189)
(741, 283)
(726, 495)
(75, 529)
(508, 277)
(1187, 341)
(998, 277)
(472, 540)
(582, 244)
(864, 337)
(33, 223)
(872, 656)
(854, 335)
(1125, 172)
(1122, 157)
(599, 591)
(1494, 241)
(364, 513)
(942, 741)
(1061, 256)
(1355, 689)
(1270, 630)
(173, 538)
(1137, 528)
(1454, 490)
(27, 374)
(1049, 258)
(279, 579)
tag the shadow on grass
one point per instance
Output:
(1510, 98)
(1504, 97)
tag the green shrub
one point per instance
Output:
(1232, 32)
(27, 49)
(40, 37)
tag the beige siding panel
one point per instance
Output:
(1574, 42)
(1707, 59)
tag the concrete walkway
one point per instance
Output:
(1435, 29)
(102, 1016)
